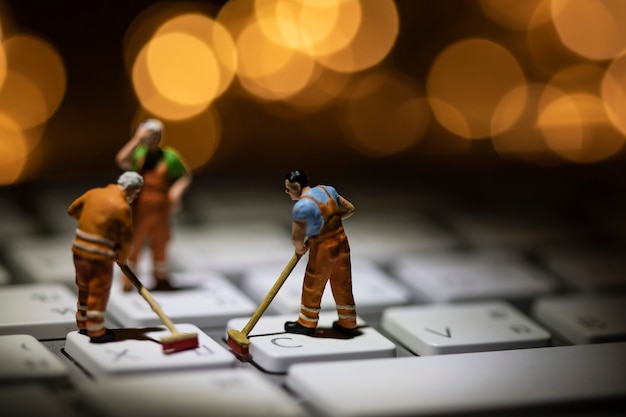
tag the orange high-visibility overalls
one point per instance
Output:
(329, 259)
(104, 234)
(152, 217)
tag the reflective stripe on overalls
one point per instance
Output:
(329, 259)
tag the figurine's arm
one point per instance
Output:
(177, 190)
(346, 208)
(298, 235)
(125, 237)
(124, 157)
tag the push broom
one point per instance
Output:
(177, 341)
(238, 340)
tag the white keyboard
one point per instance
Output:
(461, 312)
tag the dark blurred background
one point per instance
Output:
(454, 91)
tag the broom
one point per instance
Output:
(238, 340)
(177, 341)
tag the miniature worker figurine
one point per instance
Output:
(104, 235)
(166, 180)
(317, 227)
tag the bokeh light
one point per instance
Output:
(517, 15)
(324, 88)
(183, 66)
(373, 41)
(613, 91)
(35, 81)
(538, 81)
(13, 151)
(32, 89)
(546, 51)
(466, 82)
(578, 129)
(386, 114)
(318, 27)
(595, 29)
(523, 139)
(269, 70)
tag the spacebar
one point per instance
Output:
(461, 383)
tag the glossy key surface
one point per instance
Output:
(140, 350)
(45, 311)
(274, 350)
(463, 383)
(464, 327)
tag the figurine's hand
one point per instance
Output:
(175, 200)
(302, 249)
(143, 134)
(175, 206)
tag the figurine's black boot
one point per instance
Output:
(108, 336)
(83, 332)
(163, 284)
(295, 327)
(350, 332)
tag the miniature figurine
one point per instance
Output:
(317, 227)
(167, 178)
(104, 235)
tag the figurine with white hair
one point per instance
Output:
(104, 235)
(166, 179)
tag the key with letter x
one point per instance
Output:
(137, 351)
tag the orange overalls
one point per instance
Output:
(152, 217)
(329, 259)
(104, 234)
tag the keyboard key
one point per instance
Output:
(588, 269)
(526, 227)
(230, 247)
(274, 350)
(396, 235)
(459, 328)
(221, 392)
(52, 204)
(445, 277)
(582, 319)
(5, 275)
(207, 299)
(45, 311)
(44, 259)
(372, 287)
(139, 351)
(229, 204)
(24, 358)
(462, 383)
(13, 222)
(32, 399)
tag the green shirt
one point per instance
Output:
(174, 162)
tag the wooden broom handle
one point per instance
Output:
(148, 297)
(271, 294)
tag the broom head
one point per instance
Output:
(238, 342)
(179, 341)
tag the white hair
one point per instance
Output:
(153, 125)
(130, 179)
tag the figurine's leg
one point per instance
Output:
(83, 291)
(341, 287)
(99, 291)
(315, 278)
(138, 242)
(159, 240)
